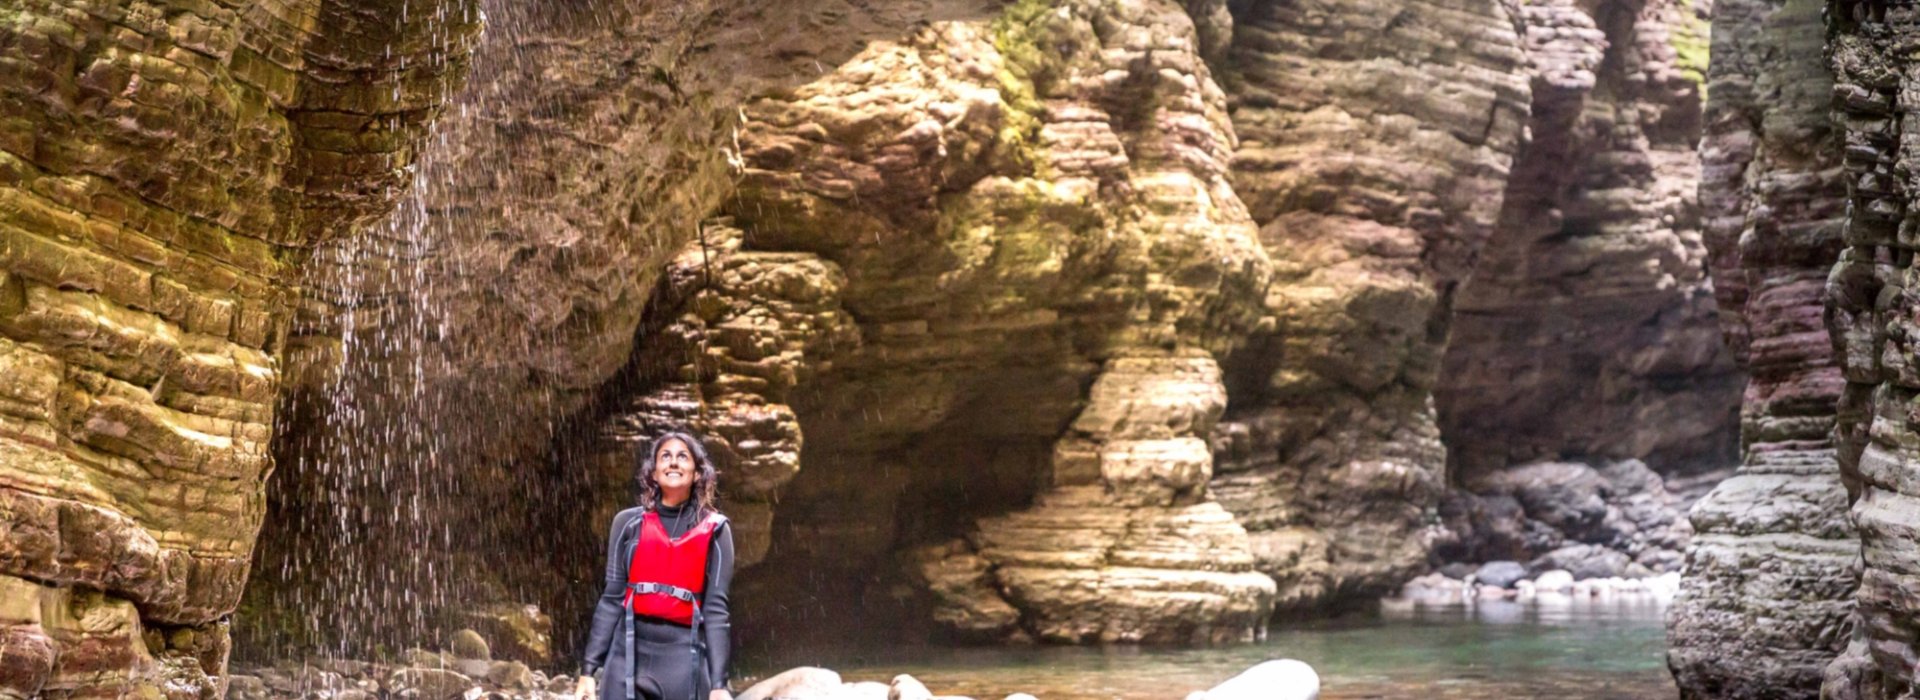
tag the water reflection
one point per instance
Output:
(1552, 647)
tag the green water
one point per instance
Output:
(1598, 650)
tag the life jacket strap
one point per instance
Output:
(681, 594)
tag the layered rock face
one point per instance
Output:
(1774, 561)
(1374, 150)
(1869, 316)
(590, 143)
(1592, 292)
(949, 256)
(166, 170)
(481, 316)
(1105, 321)
(1427, 255)
(946, 246)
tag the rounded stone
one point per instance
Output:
(1501, 574)
(468, 644)
(1555, 581)
(1280, 679)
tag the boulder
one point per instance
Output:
(1280, 679)
(515, 632)
(863, 690)
(244, 687)
(1568, 496)
(1501, 574)
(471, 668)
(1585, 561)
(422, 658)
(1433, 586)
(1554, 581)
(468, 644)
(1482, 527)
(803, 683)
(428, 683)
(511, 675)
(907, 687)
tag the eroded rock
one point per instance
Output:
(1771, 567)
(165, 170)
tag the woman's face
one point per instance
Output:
(673, 467)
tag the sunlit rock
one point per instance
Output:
(1372, 199)
(802, 682)
(905, 687)
(1556, 580)
(1283, 679)
(165, 172)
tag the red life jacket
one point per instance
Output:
(681, 563)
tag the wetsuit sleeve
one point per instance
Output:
(713, 605)
(606, 611)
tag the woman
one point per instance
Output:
(660, 630)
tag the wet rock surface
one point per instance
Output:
(431, 677)
(165, 170)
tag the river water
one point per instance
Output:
(1595, 649)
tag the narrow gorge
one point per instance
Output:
(329, 328)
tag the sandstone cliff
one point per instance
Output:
(166, 171)
(1774, 561)
(1088, 320)
(1867, 313)
(1373, 192)
(990, 223)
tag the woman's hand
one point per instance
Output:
(583, 690)
(720, 694)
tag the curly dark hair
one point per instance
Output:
(705, 478)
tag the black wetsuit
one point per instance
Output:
(664, 657)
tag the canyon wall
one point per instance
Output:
(1592, 291)
(919, 271)
(166, 171)
(1869, 315)
(1076, 321)
(1375, 169)
(1774, 560)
